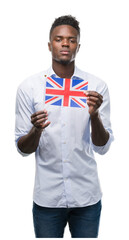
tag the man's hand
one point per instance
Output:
(29, 142)
(38, 119)
(99, 134)
(94, 101)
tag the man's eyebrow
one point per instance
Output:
(59, 36)
(73, 37)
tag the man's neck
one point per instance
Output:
(63, 70)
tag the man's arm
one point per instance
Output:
(29, 142)
(99, 134)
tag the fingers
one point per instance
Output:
(45, 125)
(39, 118)
(94, 101)
(38, 113)
(93, 93)
(93, 98)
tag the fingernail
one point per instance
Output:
(86, 93)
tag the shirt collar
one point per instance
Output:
(77, 72)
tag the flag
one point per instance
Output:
(66, 92)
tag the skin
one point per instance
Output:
(64, 45)
(99, 134)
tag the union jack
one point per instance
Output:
(66, 92)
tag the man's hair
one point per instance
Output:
(65, 20)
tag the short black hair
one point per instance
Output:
(65, 20)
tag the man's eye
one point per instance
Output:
(72, 40)
(58, 39)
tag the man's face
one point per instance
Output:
(64, 44)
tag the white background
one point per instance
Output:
(105, 53)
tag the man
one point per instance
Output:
(55, 110)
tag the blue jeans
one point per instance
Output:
(50, 222)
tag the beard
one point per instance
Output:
(64, 62)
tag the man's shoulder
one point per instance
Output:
(94, 82)
(32, 80)
(89, 76)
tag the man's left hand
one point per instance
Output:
(94, 101)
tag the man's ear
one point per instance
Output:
(78, 47)
(49, 46)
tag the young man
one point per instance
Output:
(55, 110)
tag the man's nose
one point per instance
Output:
(65, 42)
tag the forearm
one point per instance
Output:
(99, 134)
(29, 142)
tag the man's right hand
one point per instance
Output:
(38, 119)
(29, 142)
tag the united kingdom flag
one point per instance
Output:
(66, 92)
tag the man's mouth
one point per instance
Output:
(64, 52)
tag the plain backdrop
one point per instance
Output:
(104, 52)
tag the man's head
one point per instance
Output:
(65, 20)
(64, 39)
